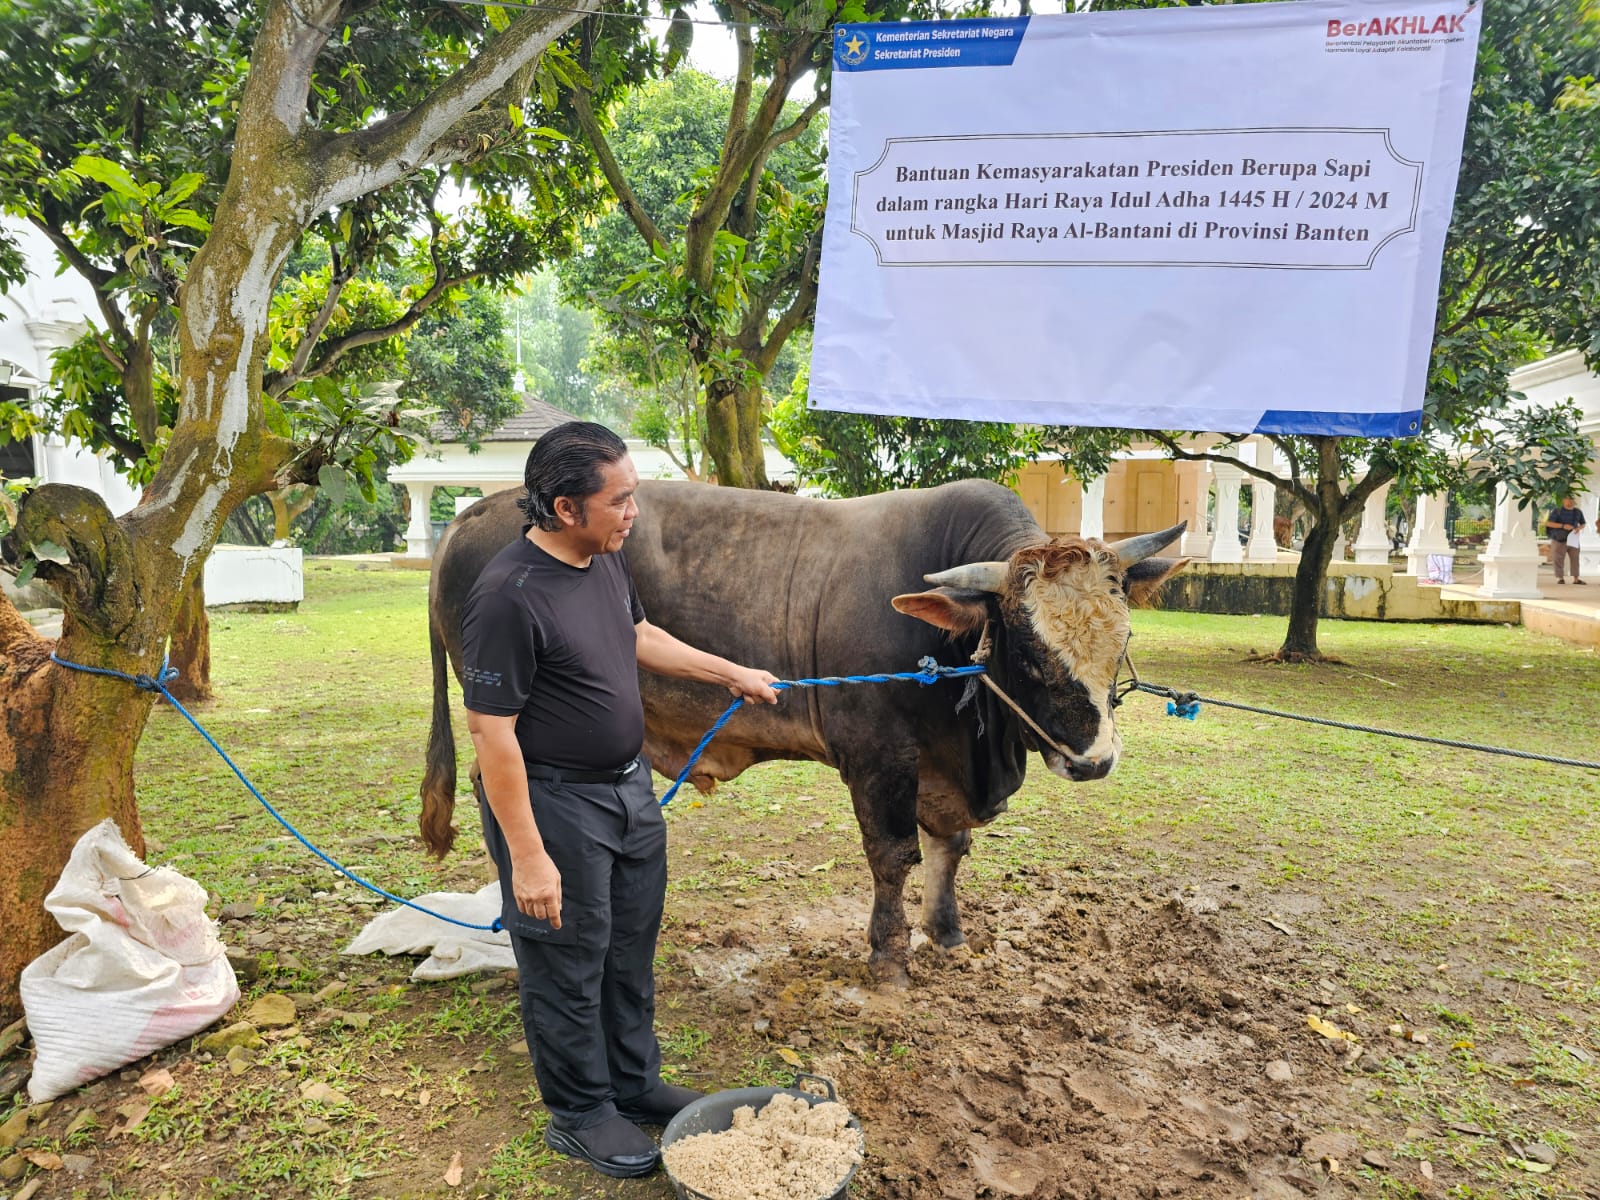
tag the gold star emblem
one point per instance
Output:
(853, 46)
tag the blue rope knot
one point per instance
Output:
(1185, 705)
(156, 683)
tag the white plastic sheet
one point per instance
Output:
(451, 950)
(142, 969)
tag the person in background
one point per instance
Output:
(552, 638)
(1561, 524)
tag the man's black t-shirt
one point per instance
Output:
(554, 645)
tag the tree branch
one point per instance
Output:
(613, 172)
(1170, 444)
(98, 277)
(366, 160)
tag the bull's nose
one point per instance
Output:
(1086, 769)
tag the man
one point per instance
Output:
(553, 635)
(1561, 524)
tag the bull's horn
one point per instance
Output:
(976, 577)
(1142, 546)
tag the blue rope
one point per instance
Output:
(158, 683)
(927, 672)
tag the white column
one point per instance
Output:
(1589, 541)
(419, 533)
(1194, 496)
(1092, 522)
(1372, 543)
(1225, 546)
(1263, 546)
(1427, 534)
(1511, 562)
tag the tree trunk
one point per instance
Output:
(67, 738)
(747, 403)
(191, 646)
(287, 504)
(722, 435)
(1311, 576)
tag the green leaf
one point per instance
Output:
(48, 551)
(113, 176)
(332, 480)
(498, 21)
(26, 571)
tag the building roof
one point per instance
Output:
(534, 421)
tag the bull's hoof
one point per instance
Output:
(946, 939)
(890, 973)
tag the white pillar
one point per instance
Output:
(1092, 522)
(419, 533)
(1427, 534)
(1511, 562)
(1372, 543)
(1589, 541)
(1194, 496)
(1225, 546)
(1263, 546)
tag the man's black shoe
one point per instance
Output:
(659, 1106)
(616, 1147)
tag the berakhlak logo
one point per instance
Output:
(1412, 26)
(854, 46)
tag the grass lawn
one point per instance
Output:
(1442, 904)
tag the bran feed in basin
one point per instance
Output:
(763, 1144)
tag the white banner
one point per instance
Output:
(1224, 219)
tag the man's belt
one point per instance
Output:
(568, 775)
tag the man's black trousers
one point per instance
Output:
(588, 988)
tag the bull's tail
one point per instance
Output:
(439, 780)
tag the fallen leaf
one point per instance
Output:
(1462, 1045)
(1426, 1168)
(1527, 1164)
(157, 1082)
(452, 1173)
(424, 1098)
(1353, 1009)
(46, 1160)
(1329, 1030)
(791, 1057)
(1463, 1127)
(132, 1113)
(825, 866)
(1333, 1165)
(1279, 926)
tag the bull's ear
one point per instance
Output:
(1144, 579)
(954, 610)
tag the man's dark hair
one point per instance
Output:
(566, 461)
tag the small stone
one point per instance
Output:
(13, 1129)
(520, 1046)
(241, 1059)
(1231, 999)
(354, 1020)
(800, 1040)
(246, 966)
(78, 1164)
(319, 1092)
(12, 1168)
(271, 1011)
(314, 1126)
(158, 1082)
(1375, 1160)
(1332, 1144)
(288, 962)
(1279, 1071)
(86, 1117)
(303, 1001)
(238, 910)
(324, 994)
(38, 1112)
(761, 1024)
(12, 1035)
(1540, 1153)
(241, 1034)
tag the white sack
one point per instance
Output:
(142, 969)
(454, 950)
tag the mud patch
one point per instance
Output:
(1094, 1045)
